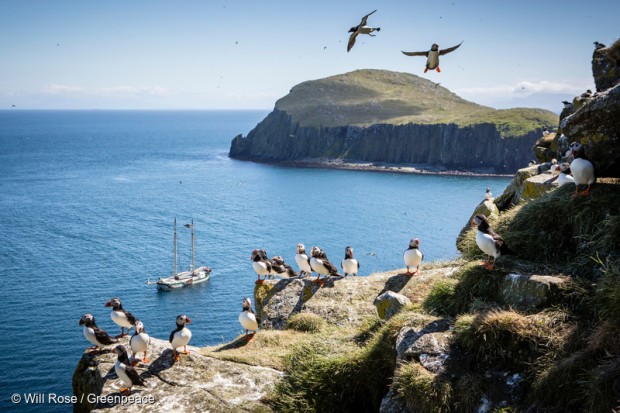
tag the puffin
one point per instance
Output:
(581, 168)
(432, 56)
(139, 343)
(321, 265)
(564, 176)
(180, 336)
(261, 264)
(280, 268)
(303, 261)
(125, 371)
(123, 318)
(488, 195)
(349, 264)
(361, 29)
(94, 334)
(567, 104)
(413, 256)
(247, 318)
(488, 241)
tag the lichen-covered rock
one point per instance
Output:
(428, 344)
(277, 300)
(390, 303)
(530, 291)
(196, 383)
(606, 73)
(597, 126)
(512, 193)
(537, 185)
(391, 403)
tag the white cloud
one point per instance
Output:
(524, 89)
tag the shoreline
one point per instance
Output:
(421, 169)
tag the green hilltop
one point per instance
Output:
(369, 96)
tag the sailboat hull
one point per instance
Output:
(184, 279)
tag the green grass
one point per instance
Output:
(423, 392)
(366, 97)
(306, 322)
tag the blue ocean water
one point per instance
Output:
(87, 202)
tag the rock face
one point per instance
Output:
(196, 383)
(529, 291)
(389, 303)
(606, 73)
(477, 148)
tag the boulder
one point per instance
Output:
(390, 303)
(605, 72)
(427, 344)
(530, 291)
(512, 193)
(196, 383)
(537, 185)
(391, 403)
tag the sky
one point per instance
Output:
(247, 54)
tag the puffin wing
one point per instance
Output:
(133, 375)
(352, 40)
(130, 317)
(172, 336)
(365, 19)
(415, 53)
(449, 49)
(330, 267)
(103, 337)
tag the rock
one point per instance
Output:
(196, 383)
(605, 72)
(596, 125)
(277, 300)
(537, 185)
(391, 403)
(390, 303)
(428, 344)
(530, 291)
(514, 190)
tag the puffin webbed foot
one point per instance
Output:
(125, 391)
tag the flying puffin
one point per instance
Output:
(302, 260)
(361, 29)
(180, 336)
(432, 56)
(413, 256)
(125, 371)
(488, 241)
(581, 168)
(123, 318)
(94, 334)
(349, 264)
(261, 264)
(280, 268)
(247, 318)
(139, 342)
(321, 265)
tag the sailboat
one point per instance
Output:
(184, 278)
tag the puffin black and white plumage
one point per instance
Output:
(432, 56)
(361, 28)
(139, 343)
(561, 172)
(349, 264)
(122, 318)
(261, 264)
(413, 256)
(94, 334)
(180, 336)
(321, 265)
(488, 195)
(247, 318)
(488, 241)
(567, 104)
(582, 169)
(303, 261)
(280, 268)
(125, 371)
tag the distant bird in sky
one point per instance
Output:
(13, 106)
(361, 29)
(432, 56)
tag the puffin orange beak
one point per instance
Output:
(108, 304)
(81, 322)
(473, 223)
(187, 320)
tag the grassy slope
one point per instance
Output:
(366, 97)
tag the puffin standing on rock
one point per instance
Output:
(180, 336)
(247, 318)
(349, 264)
(261, 265)
(321, 265)
(94, 334)
(303, 261)
(125, 371)
(432, 56)
(488, 241)
(413, 256)
(122, 318)
(582, 169)
(139, 342)
(280, 268)
(361, 29)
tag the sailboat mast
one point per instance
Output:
(175, 247)
(192, 245)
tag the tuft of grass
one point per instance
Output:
(305, 322)
(423, 392)
(441, 300)
(602, 390)
(468, 391)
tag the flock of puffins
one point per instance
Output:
(489, 242)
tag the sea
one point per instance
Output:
(87, 205)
